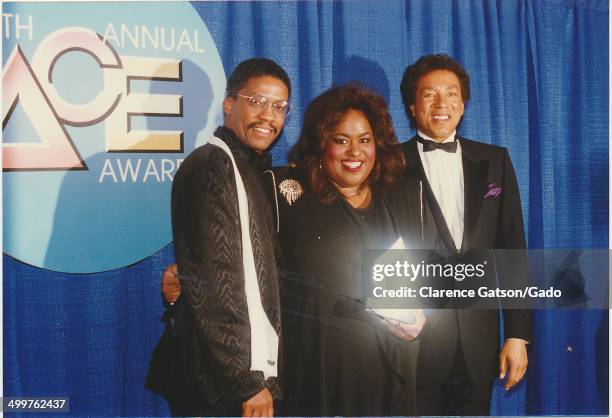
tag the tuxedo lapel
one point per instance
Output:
(414, 168)
(475, 175)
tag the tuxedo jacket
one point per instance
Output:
(492, 220)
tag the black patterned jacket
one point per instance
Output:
(212, 319)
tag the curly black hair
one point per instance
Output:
(321, 117)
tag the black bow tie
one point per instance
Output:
(432, 145)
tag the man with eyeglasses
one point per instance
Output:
(226, 325)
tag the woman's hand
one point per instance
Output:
(171, 287)
(406, 331)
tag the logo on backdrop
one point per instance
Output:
(101, 103)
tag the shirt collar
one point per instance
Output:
(260, 160)
(451, 138)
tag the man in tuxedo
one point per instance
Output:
(225, 328)
(470, 202)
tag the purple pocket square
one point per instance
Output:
(493, 190)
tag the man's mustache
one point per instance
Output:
(257, 125)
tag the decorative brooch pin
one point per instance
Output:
(291, 189)
(493, 190)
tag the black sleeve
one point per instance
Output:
(404, 199)
(206, 227)
(512, 265)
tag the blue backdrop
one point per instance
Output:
(539, 71)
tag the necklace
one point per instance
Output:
(363, 189)
(355, 200)
(351, 194)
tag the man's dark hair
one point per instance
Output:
(427, 64)
(255, 67)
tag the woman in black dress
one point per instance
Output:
(340, 358)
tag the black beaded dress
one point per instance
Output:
(339, 357)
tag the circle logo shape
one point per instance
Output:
(101, 103)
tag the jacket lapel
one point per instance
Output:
(414, 168)
(475, 175)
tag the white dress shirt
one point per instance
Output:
(444, 171)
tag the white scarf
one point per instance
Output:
(264, 340)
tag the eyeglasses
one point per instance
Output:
(259, 104)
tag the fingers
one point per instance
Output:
(401, 330)
(260, 405)
(517, 372)
(512, 378)
(415, 329)
(513, 361)
(515, 366)
(411, 331)
(259, 411)
(171, 287)
(407, 331)
(502, 365)
(420, 318)
(170, 274)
